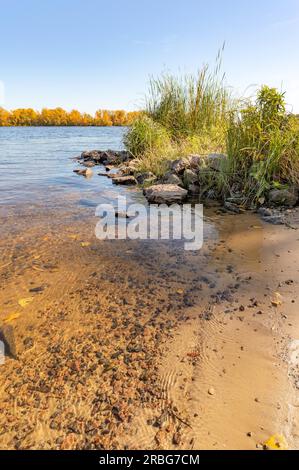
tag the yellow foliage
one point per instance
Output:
(60, 117)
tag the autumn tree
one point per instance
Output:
(4, 117)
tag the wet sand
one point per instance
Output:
(131, 344)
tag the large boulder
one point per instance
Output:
(165, 194)
(283, 197)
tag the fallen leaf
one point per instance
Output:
(11, 317)
(25, 302)
(180, 291)
(85, 244)
(276, 442)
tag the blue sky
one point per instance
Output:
(90, 54)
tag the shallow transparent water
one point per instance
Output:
(36, 165)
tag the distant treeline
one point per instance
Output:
(60, 117)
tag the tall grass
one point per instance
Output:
(190, 112)
(190, 104)
(263, 145)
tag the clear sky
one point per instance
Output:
(90, 54)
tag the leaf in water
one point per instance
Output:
(85, 244)
(11, 317)
(276, 442)
(25, 302)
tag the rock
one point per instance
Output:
(126, 180)
(211, 391)
(7, 336)
(93, 155)
(172, 178)
(265, 212)
(180, 165)
(276, 219)
(190, 177)
(85, 172)
(283, 197)
(165, 194)
(146, 178)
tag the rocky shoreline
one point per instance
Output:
(182, 182)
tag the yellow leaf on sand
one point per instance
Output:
(276, 301)
(276, 442)
(11, 317)
(180, 291)
(25, 302)
(85, 244)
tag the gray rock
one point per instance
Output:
(265, 212)
(274, 219)
(283, 197)
(126, 180)
(165, 194)
(90, 155)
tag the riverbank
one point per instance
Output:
(108, 331)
